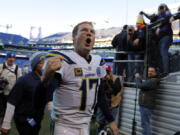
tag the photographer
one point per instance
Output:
(124, 42)
(138, 48)
(140, 34)
(112, 86)
(9, 72)
(119, 44)
(164, 34)
(3, 84)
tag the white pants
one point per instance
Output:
(62, 130)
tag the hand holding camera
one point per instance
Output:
(3, 83)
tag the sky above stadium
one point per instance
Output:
(55, 16)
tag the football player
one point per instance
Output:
(77, 77)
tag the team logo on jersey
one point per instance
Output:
(78, 71)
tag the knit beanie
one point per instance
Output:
(140, 19)
(11, 55)
(36, 58)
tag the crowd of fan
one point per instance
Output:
(145, 40)
(21, 92)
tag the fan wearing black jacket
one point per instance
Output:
(147, 96)
(20, 101)
(119, 43)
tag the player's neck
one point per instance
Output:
(83, 54)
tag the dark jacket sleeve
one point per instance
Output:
(117, 86)
(131, 47)
(118, 43)
(103, 103)
(152, 17)
(148, 84)
(115, 41)
(165, 27)
(44, 94)
(39, 99)
(17, 91)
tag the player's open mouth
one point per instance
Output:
(88, 40)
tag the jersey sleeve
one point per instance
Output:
(63, 69)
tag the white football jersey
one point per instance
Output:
(75, 99)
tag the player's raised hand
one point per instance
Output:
(53, 64)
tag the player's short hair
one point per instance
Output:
(75, 30)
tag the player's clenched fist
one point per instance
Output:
(53, 64)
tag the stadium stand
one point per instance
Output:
(6, 38)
